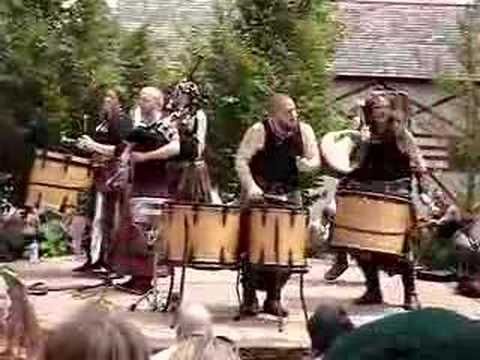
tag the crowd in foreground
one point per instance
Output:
(94, 333)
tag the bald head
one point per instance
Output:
(150, 100)
(194, 319)
(283, 111)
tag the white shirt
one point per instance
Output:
(254, 141)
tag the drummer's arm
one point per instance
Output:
(86, 142)
(417, 162)
(311, 155)
(253, 141)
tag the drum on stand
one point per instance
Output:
(57, 179)
(211, 232)
(372, 222)
(278, 237)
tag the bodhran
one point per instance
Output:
(339, 150)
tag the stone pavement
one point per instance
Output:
(216, 289)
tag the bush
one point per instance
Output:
(261, 47)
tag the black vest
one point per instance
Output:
(274, 168)
(384, 161)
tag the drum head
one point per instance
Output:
(338, 148)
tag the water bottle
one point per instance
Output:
(34, 257)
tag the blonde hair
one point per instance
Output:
(202, 348)
(154, 92)
(193, 319)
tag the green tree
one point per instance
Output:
(259, 47)
(57, 58)
(464, 85)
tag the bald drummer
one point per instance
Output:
(268, 162)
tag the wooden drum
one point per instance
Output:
(211, 231)
(278, 237)
(372, 222)
(56, 180)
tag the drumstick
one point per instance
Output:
(281, 198)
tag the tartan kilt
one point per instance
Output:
(194, 183)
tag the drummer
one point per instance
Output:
(268, 162)
(389, 161)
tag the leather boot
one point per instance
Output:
(469, 287)
(370, 297)
(86, 266)
(273, 304)
(249, 306)
(338, 268)
(373, 295)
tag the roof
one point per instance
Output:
(383, 38)
(169, 21)
(402, 38)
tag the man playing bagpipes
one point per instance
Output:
(146, 178)
(185, 104)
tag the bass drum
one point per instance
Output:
(57, 179)
(372, 222)
(210, 232)
(278, 237)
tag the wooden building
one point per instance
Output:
(406, 44)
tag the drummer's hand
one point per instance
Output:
(86, 143)
(365, 133)
(255, 193)
(425, 199)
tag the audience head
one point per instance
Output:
(95, 335)
(193, 319)
(201, 348)
(327, 323)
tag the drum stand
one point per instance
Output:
(152, 295)
(281, 321)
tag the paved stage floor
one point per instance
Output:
(216, 289)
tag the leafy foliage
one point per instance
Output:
(61, 56)
(463, 83)
(256, 49)
(53, 239)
